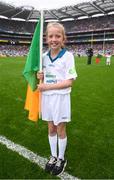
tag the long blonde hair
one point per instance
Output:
(59, 26)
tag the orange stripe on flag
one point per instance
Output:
(32, 104)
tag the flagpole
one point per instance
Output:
(41, 52)
(41, 39)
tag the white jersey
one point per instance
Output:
(108, 56)
(58, 69)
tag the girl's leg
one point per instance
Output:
(52, 136)
(62, 139)
(62, 142)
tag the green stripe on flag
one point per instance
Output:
(33, 59)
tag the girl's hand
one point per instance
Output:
(40, 75)
(43, 87)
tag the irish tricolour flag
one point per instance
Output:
(34, 64)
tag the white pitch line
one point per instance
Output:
(32, 157)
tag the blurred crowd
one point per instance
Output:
(18, 50)
(97, 23)
(80, 49)
(90, 24)
(94, 23)
(12, 50)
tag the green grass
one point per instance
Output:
(90, 150)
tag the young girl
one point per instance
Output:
(57, 78)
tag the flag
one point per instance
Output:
(32, 103)
(33, 65)
(33, 60)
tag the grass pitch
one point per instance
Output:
(90, 150)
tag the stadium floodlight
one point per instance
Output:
(68, 19)
(83, 17)
(51, 20)
(97, 15)
(3, 17)
(32, 20)
(18, 19)
(111, 12)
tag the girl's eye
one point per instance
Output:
(56, 36)
(50, 36)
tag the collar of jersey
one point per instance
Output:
(60, 54)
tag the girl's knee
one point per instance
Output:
(61, 130)
(52, 129)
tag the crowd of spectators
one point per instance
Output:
(18, 50)
(97, 48)
(16, 26)
(90, 24)
(12, 50)
(94, 23)
(104, 22)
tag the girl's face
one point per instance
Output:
(55, 38)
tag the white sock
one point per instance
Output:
(62, 147)
(53, 144)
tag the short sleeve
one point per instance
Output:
(70, 67)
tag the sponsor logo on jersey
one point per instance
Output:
(72, 71)
(50, 76)
(51, 81)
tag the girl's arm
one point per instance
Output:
(62, 85)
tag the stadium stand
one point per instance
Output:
(95, 32)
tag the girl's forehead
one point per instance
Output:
(54, 30)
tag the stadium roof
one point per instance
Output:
(76, 11)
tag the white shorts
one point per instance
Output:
(108, 61)
(56, 108)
